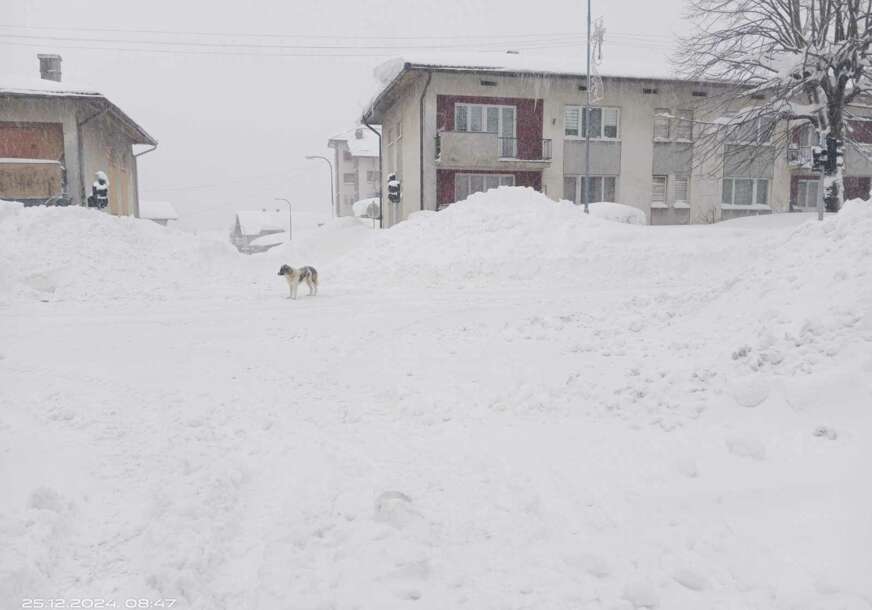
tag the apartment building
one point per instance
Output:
(357, 167)
(452, 129)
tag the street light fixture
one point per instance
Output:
(332, 198)
(290, 216)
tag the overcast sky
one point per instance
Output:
(235, 123)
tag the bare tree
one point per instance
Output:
(799, 60)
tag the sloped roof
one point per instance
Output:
(362, 142)
(16, 86)
(157, 210)
(255, 222)
(391, 73)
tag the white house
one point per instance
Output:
(451, 128)
(356, 160)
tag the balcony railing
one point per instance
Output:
(492, 146)
(799, 155)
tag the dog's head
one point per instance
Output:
(285, 270)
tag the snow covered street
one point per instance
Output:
(503, 405)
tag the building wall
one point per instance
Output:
(107, 149)
(48, 110)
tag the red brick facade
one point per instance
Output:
(528, 117)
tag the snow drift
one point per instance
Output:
(76, 253)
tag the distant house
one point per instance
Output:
(357, 167)
(160, 212)
(55, 137)
(252, 225)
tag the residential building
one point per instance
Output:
(452, 129)
(54, 138)
(160, 212)
(356, 162)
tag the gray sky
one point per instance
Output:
(234, 128)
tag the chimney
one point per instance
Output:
(358, 133)
(49, 67)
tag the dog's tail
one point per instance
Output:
(314, 273)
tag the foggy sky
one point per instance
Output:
(233, 130)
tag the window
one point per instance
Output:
(658, 191)
(349, 178)
(372, 176)
(680, 189)
(745, 191)
(604, 122)
(485, 119)
(602, 188)
(806, 194)
(662, 118)
(684, 125)
(753, 131)
(467, 184)
(346, 155)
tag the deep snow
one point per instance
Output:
(507, 404)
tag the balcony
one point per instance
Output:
(474, 150)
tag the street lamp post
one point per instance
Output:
(330, 165)
(290, 217)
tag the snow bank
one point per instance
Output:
(618, 212)
(509, 233)
(80, 254)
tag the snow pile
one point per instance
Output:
(322, 244)
(618, 212)
(504, 234)
(53, 253)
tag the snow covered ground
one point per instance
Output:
(507, 404)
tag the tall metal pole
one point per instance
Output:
(332, 196)
(290, 217)
(587, 124)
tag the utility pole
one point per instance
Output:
(587, 123)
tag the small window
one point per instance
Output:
(658, 189)
(349, 178)
(582, 87)
(699, 93)
(648, 91)
(346, 155)
(372, 176)
(488, 83)
(762, 193)
(680, 187)
(662, 118)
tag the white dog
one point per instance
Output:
(295, 277)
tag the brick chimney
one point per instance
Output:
(49, 67)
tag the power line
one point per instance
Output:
(235, 45)
(519, 36)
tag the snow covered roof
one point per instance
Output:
(157, 210)
(254, 222)
(361, 141)
(273, 239)
(391, 72)
(17, 86)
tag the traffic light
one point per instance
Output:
(393, 189)
(819, 158)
